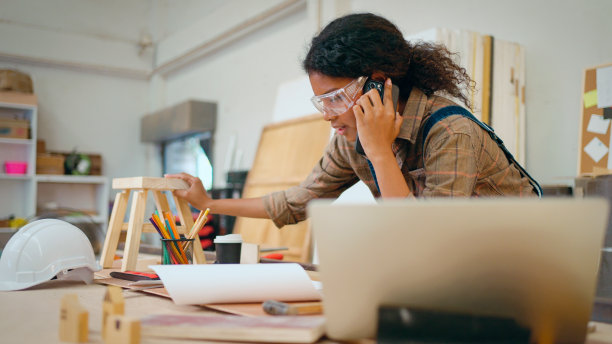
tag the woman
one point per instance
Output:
(456, 158)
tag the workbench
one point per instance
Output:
(32, 315)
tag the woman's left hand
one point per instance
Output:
(377, 124)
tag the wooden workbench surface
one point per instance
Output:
(32, 315)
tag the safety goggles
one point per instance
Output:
(339, 101)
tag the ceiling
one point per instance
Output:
(109, 19)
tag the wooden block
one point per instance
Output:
(278, 329)
(122, 330)
(74, 320)
(113, 304)
(150, 183)
(249, 253)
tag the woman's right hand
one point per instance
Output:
(196, 194)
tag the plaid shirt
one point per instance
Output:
(460, 160)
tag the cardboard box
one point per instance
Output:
(96, 161)
(14, 128)
(49, 164)
(18, 98)
(12, 80)
(41, 147)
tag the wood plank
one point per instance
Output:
(151, 183)
(486, 79)
(278, 329)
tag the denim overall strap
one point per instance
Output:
(458, 110)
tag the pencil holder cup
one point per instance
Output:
(177, 251)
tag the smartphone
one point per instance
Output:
(380, 87)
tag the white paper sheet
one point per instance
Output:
(598, 125)
(596, 149)
(236, 283)
(604, 87)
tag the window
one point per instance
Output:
(190, 154)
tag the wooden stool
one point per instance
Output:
(136, 225)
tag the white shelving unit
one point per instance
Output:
(22, 195)
(18, 192)
(87, 194)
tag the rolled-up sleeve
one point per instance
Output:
(328, 179)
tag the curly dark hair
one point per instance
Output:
(364, 43)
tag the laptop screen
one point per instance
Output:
(533, 260)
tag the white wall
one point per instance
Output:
(243, 78)
(93, 113)
(86, 70)
(561, 39)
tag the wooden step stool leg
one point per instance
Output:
(161, 202)
(132, 243)
(184, 213)
(114, 229)
(187, 221)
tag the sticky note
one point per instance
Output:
(590, 99)
(596, 149)
(598, 125)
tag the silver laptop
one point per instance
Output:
(534, 261)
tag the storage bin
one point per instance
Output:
(14, 128)
(49, 164)
(15, 167)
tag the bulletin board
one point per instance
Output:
(595, 140)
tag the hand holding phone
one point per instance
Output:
(380, 87)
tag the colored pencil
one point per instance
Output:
(173, 253)
(197, 226)
(175, 235)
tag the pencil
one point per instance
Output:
(172, 247)
(280, 308)
(197, 226)
(175, 235)
(167, 234)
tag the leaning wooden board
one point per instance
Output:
(286, 154)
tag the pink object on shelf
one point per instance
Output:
(15, 167)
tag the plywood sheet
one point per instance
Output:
(286, 154)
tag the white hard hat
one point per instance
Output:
(45, 249)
